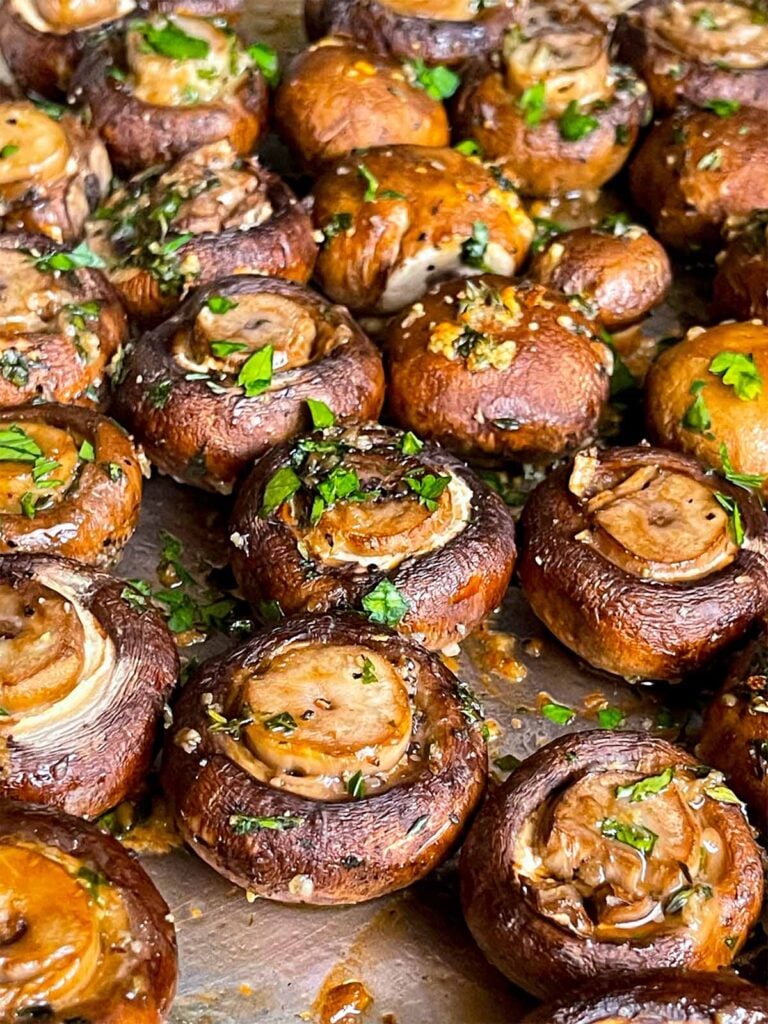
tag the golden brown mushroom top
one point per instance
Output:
(63, 16)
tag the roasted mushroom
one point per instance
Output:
(740, 288)
(337, 96)
(86, 935)
(436, 31)
(607, 854)
(696, 169)
(53, 172)
(712, 54)
(365, 516)
(488, 367)
(661, 997)
(327, 760)
(616, 267)
(208, 215)
(170, 85)
(83, 678)
(735, 733)
(61, 324)
(556, 116)
(705, 397)
(70, 483)
(643, 564)
(397, 219)
(230, 374)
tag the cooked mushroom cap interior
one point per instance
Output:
(62, 16)
(722, 33)
(35, 148)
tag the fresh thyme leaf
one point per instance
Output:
(282, 722)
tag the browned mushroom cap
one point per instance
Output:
(368, 516)
(397, 219)
(630, 556)
(87, 936)
(229, 375)
(53, 173)
(608, 854)
(740, 287)
(437, 31)
(705, 396)
(70, 483)
(337, 96)
(696, 169)
(208, 215)
(711, 54)
(171, 85)
(660, 997)
(491, 368)
(616, 266)
(327, 760)
(735, 733)
(84, 677)
(556, 117)
(59, 329)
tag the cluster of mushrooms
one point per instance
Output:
(333, 361)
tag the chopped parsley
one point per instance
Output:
(159, 393)
(438, 82)
(17, 446)
(696, 417)
(282, 722)
(265, 59)
(739, 372)
(337, 225)
(281, 486)
(410, 444)
(81, 256)
(322, 415)
(651, 785)
(368, 673)
(428, 487)
(8, 150)
(170, 41)
(468, 147)
(573, 125)
(219, 304)
(723, 108)
(636, 836)
(533, 104)
(610, 718)
(385, 604)
(256, 372)
(373, 190)
(473, 250)
(558, 713)
(735, 521)
(749, 481)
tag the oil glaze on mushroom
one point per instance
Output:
(84, 679)
(740, 288)
(364, 516)
(326, 760)
(608, 854)
(630, 555)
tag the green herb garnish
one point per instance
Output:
(574, 125)
(473, 250)
(385, 604)
(558, 713)
(438, 82)
(281, 486)
(256, 372)
(265, 59)
(651, 785)
(739, 372)
(533, 104)
(636, 836)
(171, 41)
(245, 824)
(322, 415)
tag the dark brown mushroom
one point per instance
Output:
(172, 84)
(86, 935)
(734, 737)
(713, 55)
(616, 266)
(609, 854)
(437, 31)
(60, 330)
(229, 375)
(337, 96)
(396, 219)
(206, 216)
(488, 367)
(53, 172)
(327, 760)
(740, 288)
(556, 116)
(705, 396)
(661, 997)
(696, 169)
(366, 516)
(84, 677)
(642, 563)
(70, 483)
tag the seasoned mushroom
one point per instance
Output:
(617, 267)
(661, 997)
(487, 367)
(696, 169)
(86, 935)
(208, 215)
(712, 54)
(70, 483)
(437, 31)
(61, 324)
(337, 96)
(53, 172)
(608, 854)
(170, 85)
(643, 564)
(705, 397)
(326, 760)
(83, 679)
(229, 375)
(397, 219)
(365, 516)
(740, 288)
(556, 116)
(735, 733)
